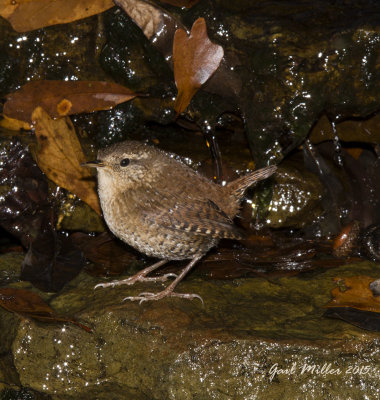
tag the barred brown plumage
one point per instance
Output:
(165, 209)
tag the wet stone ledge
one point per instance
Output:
(254, 338)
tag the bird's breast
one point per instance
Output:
(125, 217)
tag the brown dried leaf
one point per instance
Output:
(31, 305)
(14, 124)
(362, 319)
(59, 155)
(157, 24)
(195, 58)
(24, 302)
(27, 15)
(60, 98)
(148, 17)
(358, 294)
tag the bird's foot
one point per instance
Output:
(147, 296)
(139, 277)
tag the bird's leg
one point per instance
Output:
(168, 292)
(140, 277)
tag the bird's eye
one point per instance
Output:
(124, 162)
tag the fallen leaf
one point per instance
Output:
(195, 59)
(357, 295)
(149, 17)
(157, 24)
(31, 305)
(362, 319)
(27, 15)
(14, 124)
(59, 155)
(61, 98)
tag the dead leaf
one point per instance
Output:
(358, 294)
(59, 156)
(31, 305)
(27, 15)
(60, 98)
(362, 319)
(157, 24)
(195, 58)
(147, 16)
(14, 124)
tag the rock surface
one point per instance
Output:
(176, 349)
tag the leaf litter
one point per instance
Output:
(28, 15)
(355, 301)
(29, 304)
(62, 98)
(195, 60)
(59, 155)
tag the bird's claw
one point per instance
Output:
(104, 285)
(148, 296)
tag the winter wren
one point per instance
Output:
(165, 209)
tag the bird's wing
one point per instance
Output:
(199, 216)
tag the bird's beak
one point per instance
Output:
(93, 164)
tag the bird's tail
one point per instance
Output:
(240, 185)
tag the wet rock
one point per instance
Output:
(27, 212)
(254, 338)
(371, 242)
(27, 194)
(296, 200)
(10, 267)
(78, 216)
(9, 379)
(24, 205)
(56, 52)
(364, 131)
(331, 187)
(347, 239)
(289, 72)
(300, 69)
